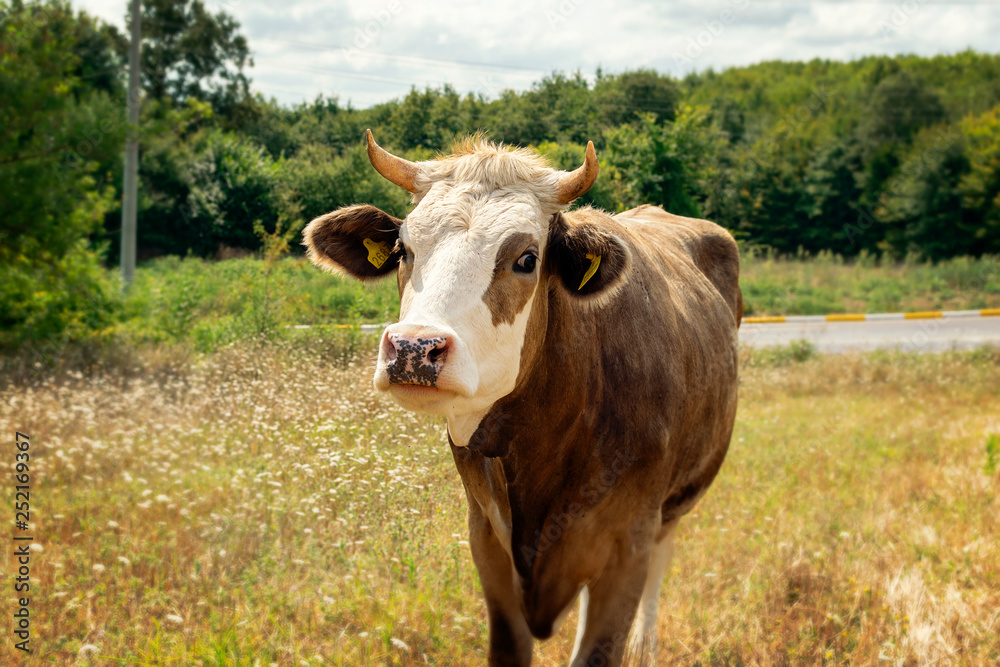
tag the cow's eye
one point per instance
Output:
(525, 263)
(404, 253)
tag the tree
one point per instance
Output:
(557, 108)
(900, 105)
(193, 74)
(188, 52)
(169, 143)
(980, 186)
(100, 50)
(569, 156)
(427, 119)
(624, 98)
(828, 207)
(233, 185)
(922, 203)
(668, 165)
(55, 131)
(322, 180)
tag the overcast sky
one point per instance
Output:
(375, 50)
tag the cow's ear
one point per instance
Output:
(591, 262)
(356, 240)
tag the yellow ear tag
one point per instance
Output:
(595, 261)
(378, 252)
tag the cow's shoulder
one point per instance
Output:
(712, 249)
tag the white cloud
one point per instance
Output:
(370, 51)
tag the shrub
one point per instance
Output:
(55, 134)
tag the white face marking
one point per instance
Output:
(452, 240)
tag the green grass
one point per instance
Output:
(263, 504)
(829, 284)
(212, 304)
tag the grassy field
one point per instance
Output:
(261, 505)
(211, 304)
(829, 284)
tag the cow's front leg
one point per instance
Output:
(609, 605)
(510, 641)
(642, 643)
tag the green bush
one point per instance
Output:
(56, 132)
(323, 180)
(47, 300)
(233, 182)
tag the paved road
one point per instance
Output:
(908, 335)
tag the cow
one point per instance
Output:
(587, 368)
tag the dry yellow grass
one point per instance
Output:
(263, 506)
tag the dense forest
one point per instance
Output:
(891, 156)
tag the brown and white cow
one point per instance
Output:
(586, 365)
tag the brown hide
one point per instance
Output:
(622, 412)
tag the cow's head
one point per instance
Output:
(483, 243)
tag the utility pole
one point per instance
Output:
(129, 191)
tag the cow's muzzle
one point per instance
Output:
(414, 360)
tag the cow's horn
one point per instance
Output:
(401, 172)
(575, 183)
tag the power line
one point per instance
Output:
(420, 60)
(353, 75)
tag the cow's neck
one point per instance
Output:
(461, 427)
(533, 429)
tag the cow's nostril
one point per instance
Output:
(389, 347)
(435, 354)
